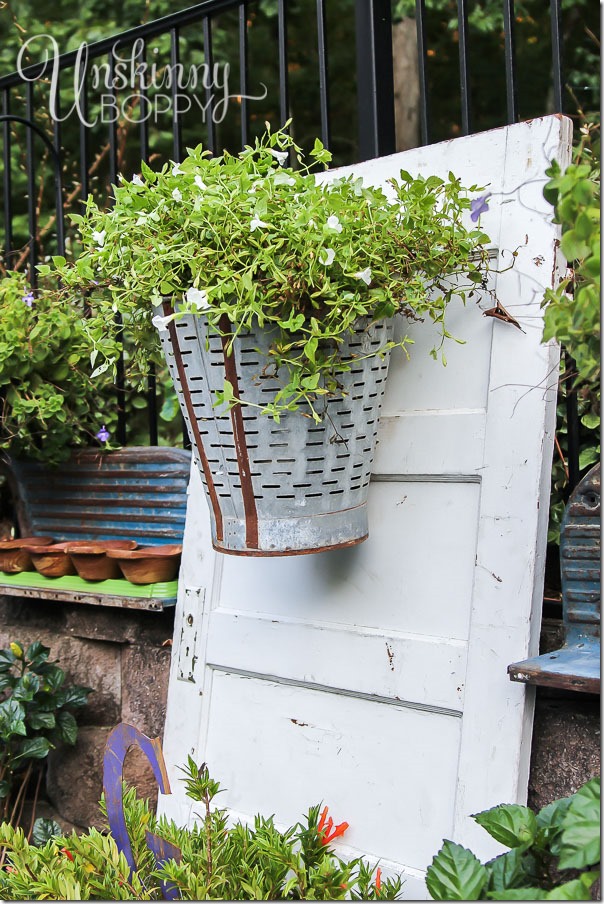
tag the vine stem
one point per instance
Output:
(562, 459)
(17, 810)
(34, 805)
(208, 835)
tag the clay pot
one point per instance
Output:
(91, 561)
(149, 564)
(54, 561)
(14, 555)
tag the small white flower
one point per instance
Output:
(327, 256)
(334, 223)
(197, 298)
(161, 323)
(176, 170)
(199, 182)
(280, 155)
(177, 195)
(99, 238)
(136, 179)
(281, 178)
(365, 275)
(257, 223)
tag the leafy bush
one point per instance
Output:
(46, 398)
(36, 713)
(218, 861)
(574, 319)
(48, 401)
(563, 836)
(572, 309)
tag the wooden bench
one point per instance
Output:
(138, 493)
(576, 665)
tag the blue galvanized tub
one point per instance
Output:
(282, 488)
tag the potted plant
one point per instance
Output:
(273, 295)
(46, 395)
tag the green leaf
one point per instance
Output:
(511, 824)
(455, 874)
(34, 749)
(507, 870)
(310, 348)
(588, 456)
(549, 821)
(583, 227)
(36, 653)
(12, 715)
(7, 659)
(39, 720)
(573, 247)
(53, 680)
(519, 894)
(44, 830)
(575, 890)
(580, 840)
(27, 687)
(67, 727)
(74, 696)
(591, 420)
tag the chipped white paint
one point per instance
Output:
(375, 678)
(189, 666)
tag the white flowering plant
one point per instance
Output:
(260, 238)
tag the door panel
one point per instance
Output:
(339, 749)
(374, 678)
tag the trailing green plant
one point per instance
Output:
(47, 402)
(246, 240)
(546, 851)
(572, 309)
(220, 861)
(36, 713)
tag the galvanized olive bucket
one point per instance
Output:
(284, 488)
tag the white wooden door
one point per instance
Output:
(374, 679)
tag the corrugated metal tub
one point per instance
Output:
(284, 488)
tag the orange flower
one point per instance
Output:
(378, 880)
(327, 830)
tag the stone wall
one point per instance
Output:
(124, 655)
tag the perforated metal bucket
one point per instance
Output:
(278, 488)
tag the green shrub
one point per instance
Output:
(46, 397)
(563, 836)
(572, 309)
(219, 861)
(36, 713)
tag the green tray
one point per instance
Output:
(73, 588)
(106, 588)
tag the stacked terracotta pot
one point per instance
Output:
(92, 560)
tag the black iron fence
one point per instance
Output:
(90, 114)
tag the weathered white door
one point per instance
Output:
(374, 679)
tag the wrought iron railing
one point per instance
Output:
(94, 153)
